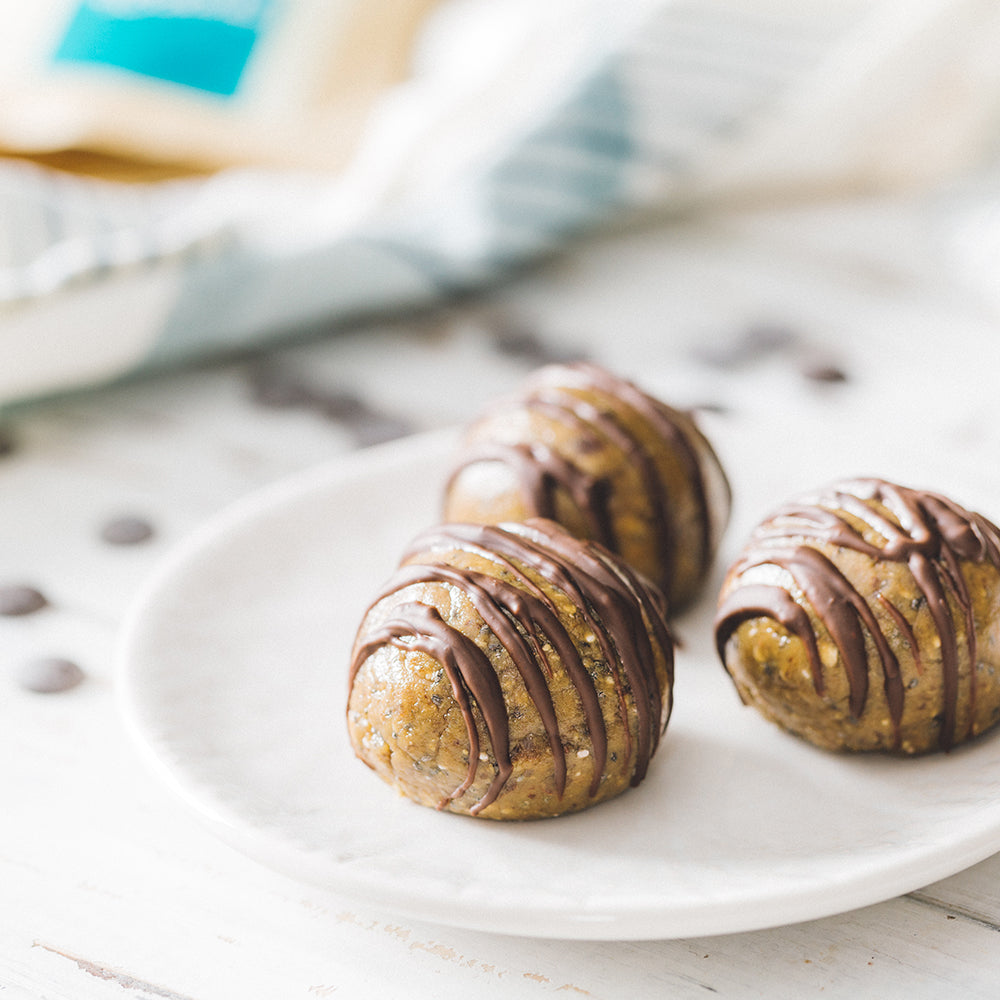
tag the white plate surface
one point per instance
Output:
(233, 668)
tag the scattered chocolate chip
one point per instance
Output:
(824, 372)
(516, 341)
(759, 342)
(339, 404)
(519, 344)
(48, 675)
(753, 344)
(8, 443)
(511, 340)
(273, 386)
(126, 531)
(17, 599)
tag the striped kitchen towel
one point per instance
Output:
(520, 127)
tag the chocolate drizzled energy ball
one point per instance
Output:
(595, 453)
(867, 617)
(511, 672)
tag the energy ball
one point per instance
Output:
(610, 463)
(511, 672)
(867, 617)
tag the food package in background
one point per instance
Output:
(198, 84)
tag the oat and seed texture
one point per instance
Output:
(867, 617)
(511, 672)
(584, 447)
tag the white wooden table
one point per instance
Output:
(109, 888)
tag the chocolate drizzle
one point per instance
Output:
(542, 473)
(928, 533)
(421, 627)
(625, 616)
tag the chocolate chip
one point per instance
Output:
(516, 341)
(753, 344)
(339, 404)
(126, 531)
(48, 675)
(273, 386)
(824, 372)
(18, 599)
(8, 443)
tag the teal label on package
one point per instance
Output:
(204, 44)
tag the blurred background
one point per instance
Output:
(185, 179)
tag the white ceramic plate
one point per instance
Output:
(233, 679)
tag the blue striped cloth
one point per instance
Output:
(677, 104)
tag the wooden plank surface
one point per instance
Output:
(111, 889)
